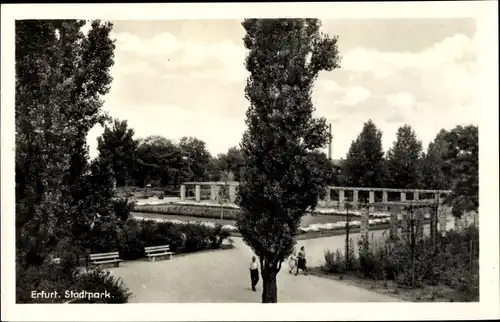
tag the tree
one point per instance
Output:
(214, 170)
(117, 144)
(404, 160)
(232, 161)
(280, 179)
(196, 159)
(365, 163)
(462, 158)
(159, 161)
(61, 75)
(434, 164)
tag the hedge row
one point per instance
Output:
(182, 237)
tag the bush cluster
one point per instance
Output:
(74, 273)
(452, 260)
(62, 277)
(182, 237)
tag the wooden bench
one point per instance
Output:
(106, 258)
(153, 251)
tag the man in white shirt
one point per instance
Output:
(254, 272)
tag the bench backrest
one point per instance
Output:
(153, 249)
(104, 255)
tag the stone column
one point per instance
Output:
(371, 200)
(213, 192)
(393, 230)
(384, 200)
(365, 223)
(404, 222)
(433, 217)
(443, 213)
(355, 197)
(327, 196)
(403, 196)
(232, 193)
(197, 193)
(419, 223)
(415, 195)
(183, 192)
(341, 200)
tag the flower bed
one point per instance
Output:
(229, 211)
(374, 222)
(194, 210)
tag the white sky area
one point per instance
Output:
(186, 78)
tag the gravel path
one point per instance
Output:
(223, 277)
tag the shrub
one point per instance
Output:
(352, 262)
(334, 262)
(181, 237)
(452, 260)
(98, 280)
(50, 277)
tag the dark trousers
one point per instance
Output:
(301, 264)
(254, 276)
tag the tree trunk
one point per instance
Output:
(269, 289)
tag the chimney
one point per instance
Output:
(330, 143)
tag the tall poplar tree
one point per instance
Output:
(280, 179)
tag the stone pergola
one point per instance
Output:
(215, 188)
(385, 192)
(341, 204)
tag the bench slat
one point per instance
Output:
(104, 257)
(103, 254)
(156, 247)
(108, 261)
(157, 250)
(159, 254)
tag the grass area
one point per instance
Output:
(426, 293)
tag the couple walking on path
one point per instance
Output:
(298, 262)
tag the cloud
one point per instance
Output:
(355, 95)
(170, 86)
(180, 53)
(401, 100)
(161, 44)
(456, 48)
(348, 95)
(175, 122)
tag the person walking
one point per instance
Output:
(292, 261)
(254, 272)
(301, 263)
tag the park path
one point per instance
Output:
(223, 277)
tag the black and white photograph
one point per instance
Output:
(217, 156)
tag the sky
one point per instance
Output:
(178, 78)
